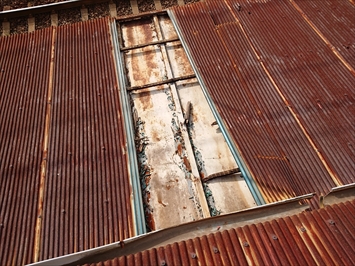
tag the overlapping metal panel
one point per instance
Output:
(335, 21)
(324, 236)
(284, 95)
(243, 95)
(63, 169)
(315, 83)
(87, 193)
(24, 74)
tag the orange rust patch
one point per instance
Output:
(187, 164)
(150, 220)
(179, 149)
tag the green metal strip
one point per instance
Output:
(138, 220)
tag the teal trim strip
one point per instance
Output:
(138, 219)
(243, 168)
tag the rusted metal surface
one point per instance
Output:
(165, 165)
(289, 116)
(45, 142)
(24, 78)
(306, 66)
(173, 155)
(324, 236)
(183, 232)
(335, 21)
(87, 191)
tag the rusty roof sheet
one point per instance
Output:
(87, 193)
(287, 101)
(24, 74)
(324, 236)
(334, 21)
(64, 178)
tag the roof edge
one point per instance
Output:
(183, 232)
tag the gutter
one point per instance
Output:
(259, 200)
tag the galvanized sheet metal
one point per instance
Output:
(275, 127)
(87, 192)
(24, 74)
(324, 236)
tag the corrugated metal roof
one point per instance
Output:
(289, 116)
(335, 21)
(62, 144)
(324, 236)
(24, 75)
(87, 193)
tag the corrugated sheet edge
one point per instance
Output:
(136, 200)
(243, 167)
(165, 236)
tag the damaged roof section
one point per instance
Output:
(285, 97)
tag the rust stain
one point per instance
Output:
(181, 59)
(37, 239)
(187, 163)
(155, 136)
(179, 149)
(139, 28)
(146, 100)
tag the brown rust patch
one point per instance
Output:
(155, 136)
(181, 59)
(139, 28)
(145, 67)
(145, 99)
(179, 149)
(150, 220)
(187, 164)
